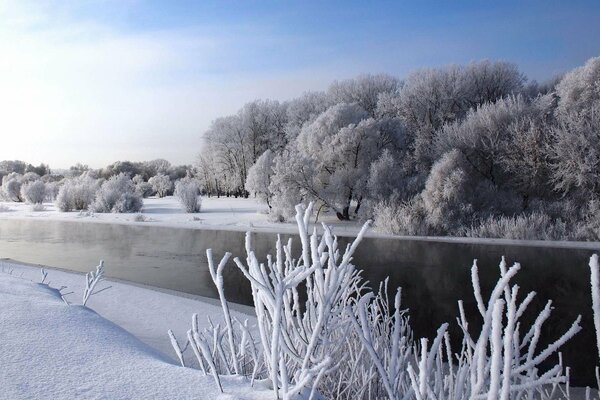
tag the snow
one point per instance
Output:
(239, 214)
(115, 349)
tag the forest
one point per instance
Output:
(465, 150)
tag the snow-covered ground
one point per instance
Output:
(117, 348)
(227, 213)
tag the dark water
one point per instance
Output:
(433, 275)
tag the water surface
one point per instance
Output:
(433, 275)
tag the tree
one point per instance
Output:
(329, 162)
(34, 192)
(575, 153)
(161, 184)
(579, 89)
(363, 90)
(304, 109)
(259, 177)
(187, 191)
(117, 194)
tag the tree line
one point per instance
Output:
(476, 150)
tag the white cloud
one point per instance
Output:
(76, 90)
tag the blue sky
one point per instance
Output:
(97, 81)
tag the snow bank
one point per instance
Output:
(52, 350)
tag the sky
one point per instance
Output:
(100, 81)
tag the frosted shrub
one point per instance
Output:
(161, 184)
(187, 191)
(401, 218)
(445, 196)
(128, 202)
(534, 226)
(52, 189)
(34, 192)
(77, 193)
(11, 189)
(117, 195)
(341, 340)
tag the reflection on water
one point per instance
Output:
(433, 275)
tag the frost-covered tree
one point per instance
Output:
(158, 166)
(363, 90)
(259, 177)
(431, 98)
(11, 187)
(580, 88)
(161, 184)
(304, 110)
(33, 192)
(77, 193)
(576, 153)
(117, 195)
(187, 191)
(142, 187)
(331, 158)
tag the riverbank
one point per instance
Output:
(144, 311)
(117, 348)
(240, 215)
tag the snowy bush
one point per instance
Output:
(341, 340)
(401, 218)
(117, 195)
(535, 226)
(33, 192)
(259, 177)
(187, 191)
(161, 184)
(11, 187)
(77, 193)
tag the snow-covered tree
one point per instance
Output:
(11, 187)
(117, 195)
(259, 177)
(77, 193)
(363, 90)
(304, 109)
(161, 184)
(576, 153)
(187, 191)
(34, 192)
(580, 88)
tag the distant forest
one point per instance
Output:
(464, 150)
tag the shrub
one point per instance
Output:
(187, 191)
(33, 192)
(346, 341)
(401, 218)
(12, 190)
(117, 195)
(77, 193)
(161, 184)
(534, 226)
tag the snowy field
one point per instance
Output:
(225, 213)
(117, 348)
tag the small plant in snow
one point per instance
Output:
(187, 191)
(91, 280)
